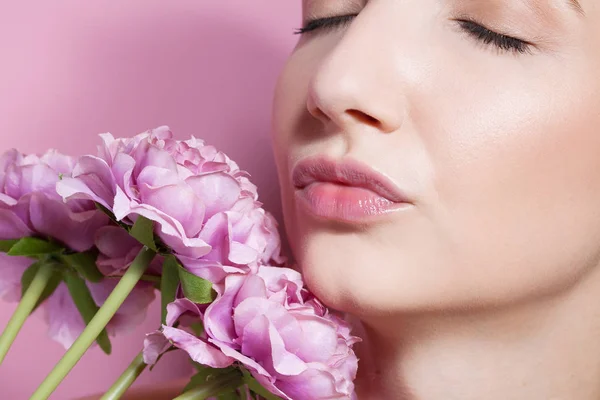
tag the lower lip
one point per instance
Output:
(346, 203)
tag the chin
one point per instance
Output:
(352, 275)
(366, 283)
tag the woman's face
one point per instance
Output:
(439, 155)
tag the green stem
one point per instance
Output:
(119, 388)
(96, 325)
(25, 307)
(230, 380)
(145, 278)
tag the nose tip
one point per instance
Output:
(354, 97)
(346, 109)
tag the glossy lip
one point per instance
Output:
(346, 190)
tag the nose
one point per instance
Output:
(356, 85)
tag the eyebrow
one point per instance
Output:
(576, 5)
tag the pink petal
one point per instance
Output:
(218, 191)
(310, 384)
(114, 241)
(215, 232)
(11, 270)
(6, 201)
(154, 177)
(133, 310)
(122, 169)
(53, 218)
(241, 254)
(218, 318)
(9, 157)
(70, 189)
(118, 249)
(263, 342)
(320, 338)
(179, 307)
(155, 344)
(122, 204)
(11, 226)
(277, 277)
(285, 323)
(162, 132)
(97, 176)
(206, 269)
(251, 364)
(170, 231)
(179, 202)
(108, 148)
(58, 162)
(29, 178)
(148, 155)
(198, 350)
(65, 323)
(253, 286)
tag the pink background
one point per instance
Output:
(71, 69)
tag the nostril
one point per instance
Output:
(317, 113)
(365, 118)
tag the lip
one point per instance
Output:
(346, 190)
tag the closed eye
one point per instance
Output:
(489, 37)
(325, 23)
(474, 29)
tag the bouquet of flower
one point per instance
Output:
(91, 240)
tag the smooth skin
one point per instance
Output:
(488, 286)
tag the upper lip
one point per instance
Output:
(347, 172)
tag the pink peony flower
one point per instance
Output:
(204, 206)
(273, 326)
(30, 206)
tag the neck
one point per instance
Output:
(547, 349)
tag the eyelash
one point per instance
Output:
(489, 37)
(475, 30)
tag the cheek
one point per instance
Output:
(517, 185)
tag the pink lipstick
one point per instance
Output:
(347, 191)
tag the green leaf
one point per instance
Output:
(53, 282)
(84, 264)
(206, 375)
(31, 246)
(228, 394)
(243, 393)
(86, 305)
(143, 231)
(195, 288)
(197, 327)
(169, 283)
(6, 245)
(198, 379)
